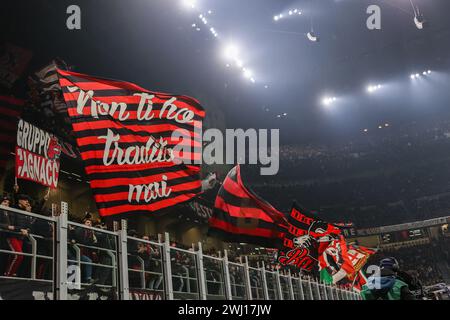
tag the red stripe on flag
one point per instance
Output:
(146, 207)
(257, 232)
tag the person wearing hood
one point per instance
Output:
(387, 285)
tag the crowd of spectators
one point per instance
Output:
(426, 262)
(14, 236)
(398, 175)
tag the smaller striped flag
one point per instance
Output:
(241, 216)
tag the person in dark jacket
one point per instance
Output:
(84, 237)
(45, 232)
(17, 227)
(105, 241)
(388, 285)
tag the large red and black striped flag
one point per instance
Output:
(10, 111)
(241, 216)
(128, 139)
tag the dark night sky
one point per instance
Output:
(152, 43)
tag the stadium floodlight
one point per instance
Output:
(276, 18)
(290, 12)
(365, 130)
(413, 76)
(417, 75)
(312, 36)
(424, 73)
(247, 73)
(231, 52)
(371, 88)
(190, 4)
(419, 21)
(429, 71)
(326, 101)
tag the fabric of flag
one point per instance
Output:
(125, 135)
(340, 261)
(10, 111)
(241, 216)
(46, 90)
(359, 255)
(306, 238)
(359, 281)
(335, 263)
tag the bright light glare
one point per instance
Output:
(328, 100)
(191, 4)
(231, 51)
(247, 73)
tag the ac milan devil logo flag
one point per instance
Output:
(129, 139)
(241, 216)
(307, 237)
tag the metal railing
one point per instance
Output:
(96, 263)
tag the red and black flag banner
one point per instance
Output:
(306, 238)
(10, 111)
(241, 216)
(37, 155)
(129, 140)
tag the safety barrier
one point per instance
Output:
(94, 263)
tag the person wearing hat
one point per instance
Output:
(387, 285)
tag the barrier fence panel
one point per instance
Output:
(214, 278)
(92, 263)
(323, 291)
(285, 288)
(256, 283)
(334, 292)
(307, 289)
(27, 255)
(315, 290)
(145, 269)
(185, 277)
(237, 281)
(272, 285)
(298, 288)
